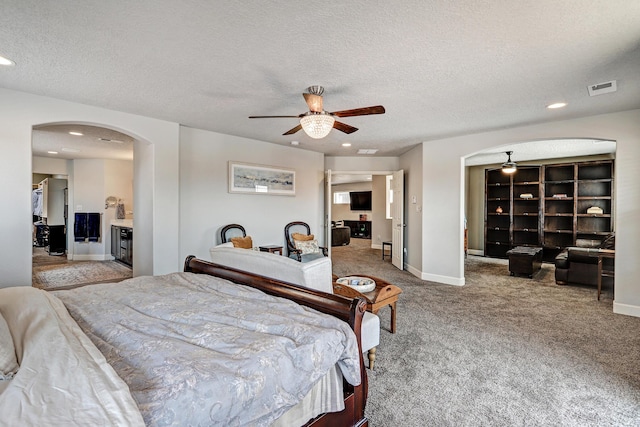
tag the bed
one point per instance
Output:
(208, 346)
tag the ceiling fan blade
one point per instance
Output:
(314, 102)
(292, 131)
(274, 117)
(343, 127)
(378, 109)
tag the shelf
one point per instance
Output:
(548, 231)
(548, 214)
(498, 243)
(594, 197)
(594, 215)
(526, 230)
(593, 233)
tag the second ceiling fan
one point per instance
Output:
(317, 122)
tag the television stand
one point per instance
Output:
(359, 229)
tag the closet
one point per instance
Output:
(50, 215)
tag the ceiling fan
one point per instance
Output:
(317, 122)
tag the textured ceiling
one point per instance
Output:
(440, 68)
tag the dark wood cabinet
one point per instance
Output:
(551, 206)
(359, 229)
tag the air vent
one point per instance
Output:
(367, 151)
(110, 140)
(601, 88)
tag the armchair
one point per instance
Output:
(586, 263)
(301, 228)
(236, 234)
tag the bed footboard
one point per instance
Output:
(350, 311)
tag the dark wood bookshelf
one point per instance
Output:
(553, 212)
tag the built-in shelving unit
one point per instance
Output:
(551, 206)
(512, 210)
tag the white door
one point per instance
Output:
(397, 219)
(328, 200)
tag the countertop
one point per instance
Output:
(122, 223)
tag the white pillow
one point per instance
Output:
(307, 246)
(8, 361)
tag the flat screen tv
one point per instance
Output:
(360, 200)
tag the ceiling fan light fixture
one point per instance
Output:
(509, 166)
(317, 125)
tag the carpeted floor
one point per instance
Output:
(499, 351)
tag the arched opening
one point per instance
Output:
(543, 224)
(98, 165)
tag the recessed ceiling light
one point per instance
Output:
(76, 133)
(346, 144)
(70, 150)
(52, 152)
(295, 143)
(556, 105)
(6, 61)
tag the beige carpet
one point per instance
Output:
(50, 277)
(500, 351)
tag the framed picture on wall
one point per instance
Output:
(249, 178)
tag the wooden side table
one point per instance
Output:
(385, 294)
(271, 248)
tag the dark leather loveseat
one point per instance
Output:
(578, 265)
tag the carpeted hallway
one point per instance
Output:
(499, 351)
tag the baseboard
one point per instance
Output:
(375, 246)
(478, 252)
(92, 257)
(447, 280)
(626, 309)
(413, 270)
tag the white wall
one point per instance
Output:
(88, 196)
(344, 212)
(206, 205)
(380, 225)
(362, 164)
(443, 184)
(19, 112)
(411, 163)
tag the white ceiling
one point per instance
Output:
(440, 68)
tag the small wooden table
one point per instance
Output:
(525, 260)
(385, 294)
(271, 248)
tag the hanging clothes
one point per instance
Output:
(36, 202)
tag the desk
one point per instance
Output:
(604, 253)
(385, 294)
(271, 248)
(390, 244)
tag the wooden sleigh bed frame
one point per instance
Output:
(350, 311)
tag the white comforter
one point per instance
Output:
(63, 378)
(199, 350)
